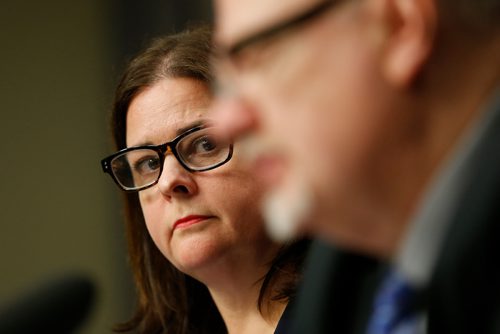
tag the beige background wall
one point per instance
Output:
(58, 212)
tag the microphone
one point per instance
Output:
(57, 306)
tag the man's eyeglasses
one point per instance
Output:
(279, 28)
(137, 168)
(257, 59)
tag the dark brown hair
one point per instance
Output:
(168, 300)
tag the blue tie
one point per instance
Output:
(393, 313)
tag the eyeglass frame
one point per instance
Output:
(276, 29)
(162, 150)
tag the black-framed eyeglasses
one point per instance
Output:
(279, 28)
(140, 167)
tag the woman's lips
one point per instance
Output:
(189, 220)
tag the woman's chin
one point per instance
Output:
(197, 256)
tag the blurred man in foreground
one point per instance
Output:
(377, 125)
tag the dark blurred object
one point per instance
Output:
(59, 305)
(139, 21)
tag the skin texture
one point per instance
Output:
(228, 249)
(361, 122)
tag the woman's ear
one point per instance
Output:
(409, 39)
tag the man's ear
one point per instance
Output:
(409, 39)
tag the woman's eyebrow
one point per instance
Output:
(178, 132)
(190, 126)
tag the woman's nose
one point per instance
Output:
(175, 180)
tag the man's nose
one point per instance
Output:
(234, 116)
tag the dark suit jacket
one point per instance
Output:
(463, 295)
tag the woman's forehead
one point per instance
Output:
(165, 109)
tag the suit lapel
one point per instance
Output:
(464, 293)
(336, 292)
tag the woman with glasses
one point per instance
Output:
(201, 259)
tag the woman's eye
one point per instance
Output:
(147, 165)
(204, 144)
